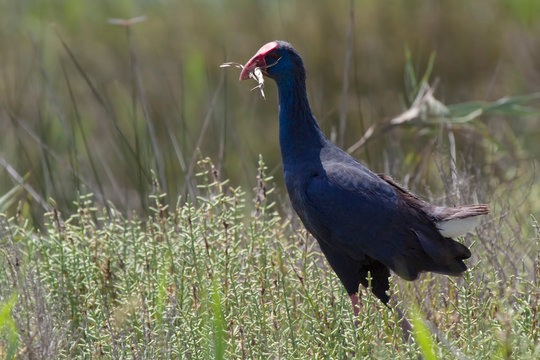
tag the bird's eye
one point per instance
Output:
(273, 55)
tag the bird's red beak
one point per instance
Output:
(257, 61)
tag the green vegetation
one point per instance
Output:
(210, 280)
(175, 257)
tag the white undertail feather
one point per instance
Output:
(457, 227)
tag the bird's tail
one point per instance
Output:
(456, 221)
(446, 254)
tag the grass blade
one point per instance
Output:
(7, 325)
(423, 336)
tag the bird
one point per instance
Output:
(365, 223)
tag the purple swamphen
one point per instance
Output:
(362, 221)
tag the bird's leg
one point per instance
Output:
(355, 304)
(406, 326)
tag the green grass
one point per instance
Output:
(8, 328)
(219, 277)
(174, 264)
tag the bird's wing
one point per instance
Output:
(450, 221)
(437, 213)
(410, 198)
(359, 213)
(354, 209)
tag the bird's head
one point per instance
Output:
(277, 60)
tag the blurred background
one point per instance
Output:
(90, 106)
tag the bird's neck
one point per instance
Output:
(299, 134)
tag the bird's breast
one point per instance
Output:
(297, 188)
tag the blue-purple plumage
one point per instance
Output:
(362, 221)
